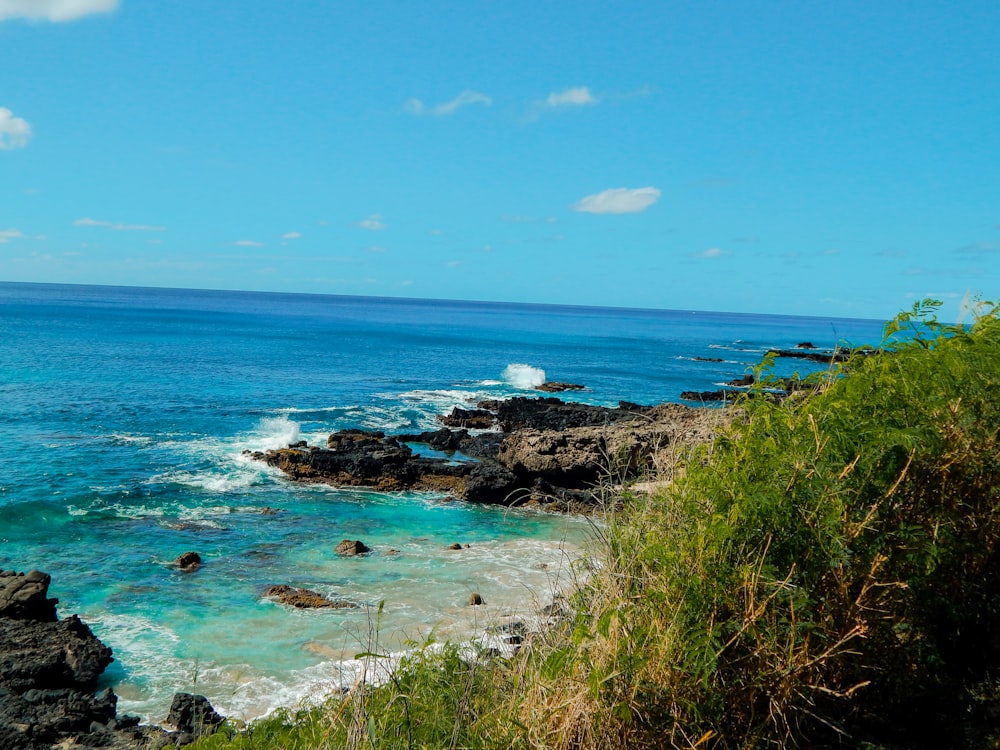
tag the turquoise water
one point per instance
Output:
(126, 412)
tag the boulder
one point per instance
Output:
(475, 600)
(305, 598)
(193, 715)
(188, 561)
(351, 548)
(24, 596)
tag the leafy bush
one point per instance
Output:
(830, 574)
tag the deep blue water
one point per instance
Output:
(125, 413)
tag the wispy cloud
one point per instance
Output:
(528, 219)
(373, 223)
(619, 201)
(14, 131)
(466, 98)
(979, 248)
(85, 222)
(574, 97)
(712, 252)
(248, 243)
(54, 10)
(6, 235)
(291, 236)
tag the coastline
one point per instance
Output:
(582, 435)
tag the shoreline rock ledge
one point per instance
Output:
(49, 670)
(540, 451)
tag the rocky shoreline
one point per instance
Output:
(542, 452)
(49, 671)
(522, 451)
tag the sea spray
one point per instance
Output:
(524, 377)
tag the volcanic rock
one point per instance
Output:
(188, 561)
(350, 548)
(548, 452)
(24, 596)
(305, 598)
(555, 414)
(557, 387)
(48, 676)
(440, 440)
(193, 716)
(472, 419)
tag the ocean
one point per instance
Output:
(125, 413)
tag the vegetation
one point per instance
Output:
(827, 574)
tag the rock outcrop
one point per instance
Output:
(48, 678)
(546, 451)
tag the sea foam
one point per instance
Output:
(523, 376)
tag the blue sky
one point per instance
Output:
(836, 159)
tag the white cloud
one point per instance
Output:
(14, 131)
(712, 252)
(54, 10)
(248, 243)
(375, 249)
(290, 236)
(619, 201)
(373, 223)
(6, 235)
(467, 97)
(571, 98)
(86, 222)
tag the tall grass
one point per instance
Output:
(826, 574)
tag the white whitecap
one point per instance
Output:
(523, 376)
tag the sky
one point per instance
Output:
(806, 158)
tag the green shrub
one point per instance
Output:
(830, 574)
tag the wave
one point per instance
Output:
(524, 377)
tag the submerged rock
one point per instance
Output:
(351, 548)
(189, 561)
(305, 598)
